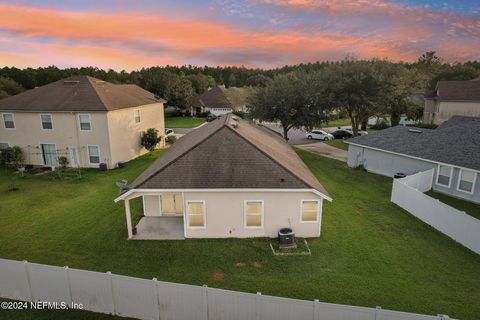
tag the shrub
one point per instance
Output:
(171, 139)
(380, 125)
(241, 114)
(202, 114)
(150, 139)
(63, 162)
(11, 156)
(427, 125)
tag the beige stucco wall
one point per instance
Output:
(225, 213)
(124, 133)
(447, 109)
(28, 134)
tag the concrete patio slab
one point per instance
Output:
(160, 228)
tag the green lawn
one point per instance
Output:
(338, 143)
(462, 205)
(338, 123)
(183, 122)
(371, 252)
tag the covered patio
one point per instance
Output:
(159, 228)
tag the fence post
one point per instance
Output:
(68, 283)
(109, 276)
(206, 315)
(157, 297)
(378, 309)
(258, 306)
(25, 263)
(316, 309)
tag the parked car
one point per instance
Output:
(319, 135)
(341, 134)
(169, 132)
(360, 132)
(211, 117)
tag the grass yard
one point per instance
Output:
(462, 205)
(183, 122)
(337, 143)
(338, 123)
(371, 252)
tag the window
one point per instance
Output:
(93, 154)
(4, 145)
(253, 213)
(46, 121)
(85, 122)
(196, 214)
(8, 121)
(444, 175)
(310, 210)
(49, 153)
(466, 181)
(136, 114)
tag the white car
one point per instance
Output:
(169, 132)
(319, 135)
(360, 132)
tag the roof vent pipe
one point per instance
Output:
(415, 130)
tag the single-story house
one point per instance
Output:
(87, 120)
(452, 98)
(220, 100)
(228, 178)
(453, 150)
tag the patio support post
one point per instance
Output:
(129, 218)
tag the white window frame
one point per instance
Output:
(41, 121)
(135, 116)
(460, 178)
(204, 214)
(80, 124)
(438, 175)
(262, 213)
(99, 154)
(319, 206)
(13, 118)
(8, 144)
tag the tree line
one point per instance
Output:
(297, 95)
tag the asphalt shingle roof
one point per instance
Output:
(221, 97)
(468, 90)
(79, 93)
(219, 155)
(455, 142)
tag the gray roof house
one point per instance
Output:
(221, 100)
(228, 178)
(453, 150)
(452, 98)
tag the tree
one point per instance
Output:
(201, 82)
(150, 139)
(9, 87)
(290, 99)
(355, 86)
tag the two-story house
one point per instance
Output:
(87, 120)
(452, 98)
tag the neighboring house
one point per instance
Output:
(221, 100)
(451, 98)
(404, 121)
(228, 178)
(453, 150)
(89, 121)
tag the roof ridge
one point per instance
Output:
(89, 79)
(271, 158)
(182, 155)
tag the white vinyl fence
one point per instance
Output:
(408, 194)
(152, 299)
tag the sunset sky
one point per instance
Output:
(256, 33)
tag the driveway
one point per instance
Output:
(325, 150)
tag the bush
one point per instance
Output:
(380, 125)
(11, 156)
(150, 139)
(171, 139)
(202, 114)
(241, 114)
(426, 125)
(63, 162)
